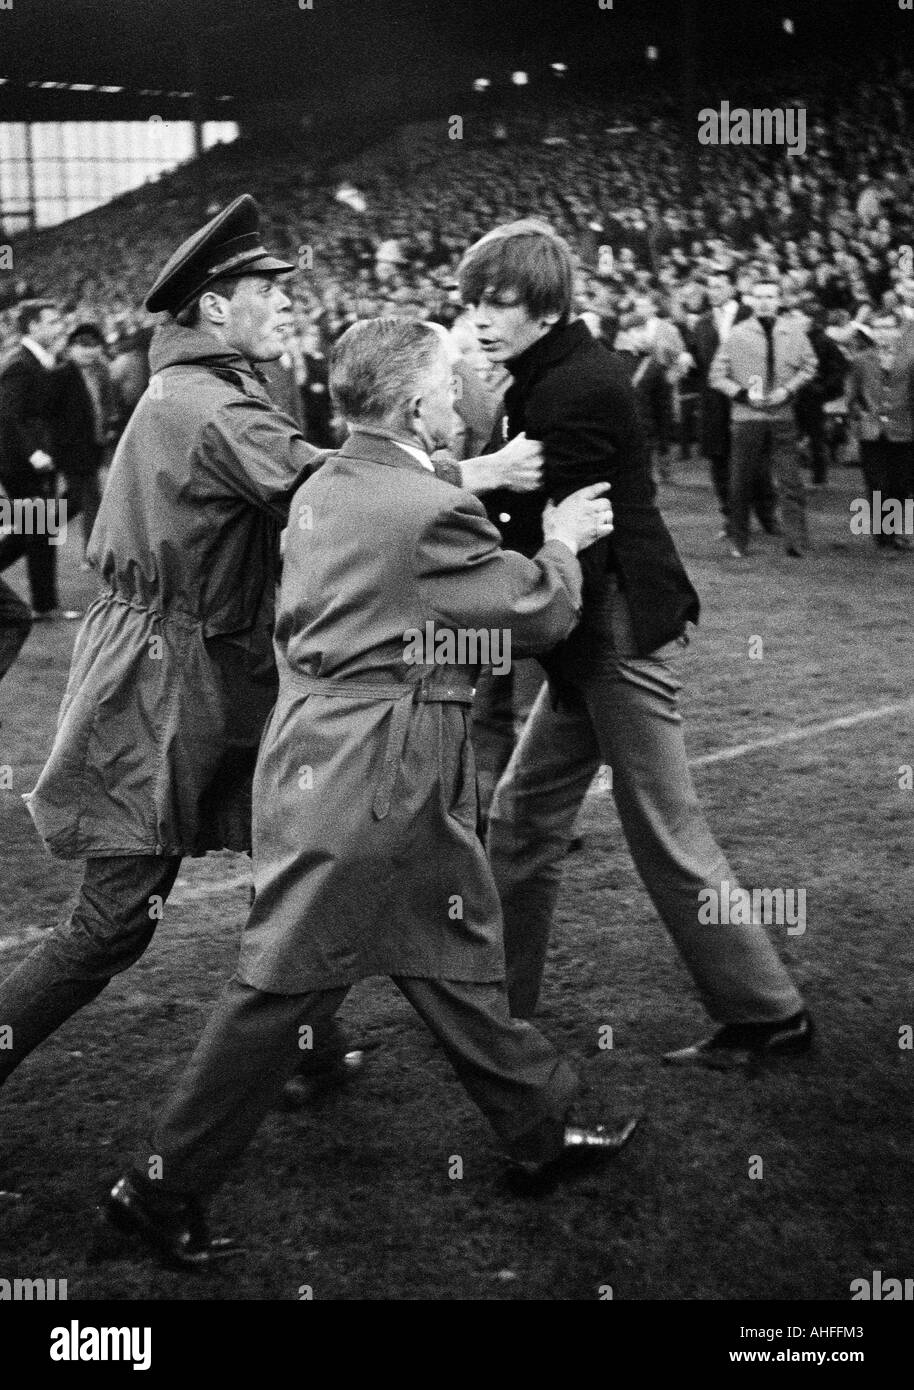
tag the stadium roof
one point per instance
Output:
(130, 58)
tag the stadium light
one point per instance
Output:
(787, 26)
(110, 89)
(652, 53)
(482, 84)
(82, 86)
(520, 79)
(559, 69)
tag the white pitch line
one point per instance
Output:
(846, 721)
(199, 892)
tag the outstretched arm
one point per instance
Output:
(518, 466)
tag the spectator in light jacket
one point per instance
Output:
(761, 366)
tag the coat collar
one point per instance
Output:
(38, 354)
(378, 447)
(549, 349)
(173, 345)
(781, 324)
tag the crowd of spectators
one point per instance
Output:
(651, 216)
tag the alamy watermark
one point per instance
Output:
(33, 1290)
(83, 1343)
(35, 516)
(882, 517)
(758, 126)
(460, 646)
(735, 906)
(882, 1290)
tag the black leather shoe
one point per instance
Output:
(742, 1044)
(582, 1147)
(306, 1087)
(173, 1228)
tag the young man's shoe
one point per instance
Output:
(741, 1044)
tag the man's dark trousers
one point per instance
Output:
(119, 905)
(765, 499)
(15, 626)
(888, 467)
(759, 445)
(251, 1045)
(40, 555)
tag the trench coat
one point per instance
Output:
(367, 859)
(172, 676)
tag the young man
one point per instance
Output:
(366, 856)
(614, 689)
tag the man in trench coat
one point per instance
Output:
(366, 852)
(173, 676)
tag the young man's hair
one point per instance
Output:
(378, 363)
(189, 316)
(30, 311)
(525, 258)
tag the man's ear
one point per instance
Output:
(214, 306)
(549, 320)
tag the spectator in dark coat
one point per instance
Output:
(826, 385)
(86, 423)
(28, 407)
(315, 393)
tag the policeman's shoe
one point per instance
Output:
(582, 1147)
(742, 1044)
(306, 1087)
(173, 1228)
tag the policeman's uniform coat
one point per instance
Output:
(172, 676)
(366, 854)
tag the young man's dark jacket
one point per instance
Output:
(572, 393)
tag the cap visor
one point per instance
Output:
(266, 265)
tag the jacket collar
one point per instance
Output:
(551, 348)
(780, 324)
(173, 345)
(378, 447)
(39, 354)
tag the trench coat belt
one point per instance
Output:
(404, 695)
